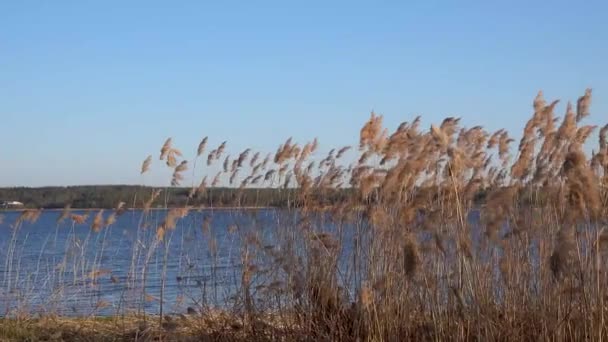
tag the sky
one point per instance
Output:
(89, 89)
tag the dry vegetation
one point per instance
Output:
(418, 266)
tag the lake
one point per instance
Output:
(68, 269)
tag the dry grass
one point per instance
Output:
(532, 267)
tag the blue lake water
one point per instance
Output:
(66, 268)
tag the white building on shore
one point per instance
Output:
(10, 204)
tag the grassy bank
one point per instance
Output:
(520, 326)
(212, 327)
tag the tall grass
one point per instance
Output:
(446, 233)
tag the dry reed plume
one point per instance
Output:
(445, 233)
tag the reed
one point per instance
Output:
(445, 233)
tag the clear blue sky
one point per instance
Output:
(88, 90)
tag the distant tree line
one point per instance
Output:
(108, 196)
